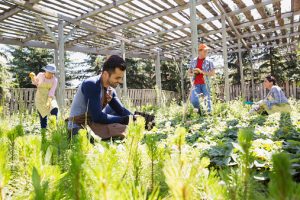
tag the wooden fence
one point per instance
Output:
(291, 90)
(23, 98)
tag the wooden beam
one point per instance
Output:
(259, 47)
(158, 77)
(151, 17)
(70, 34)
(123, 54)
(199, 22)
(224, 44)
(252, 76)
(87, 26)
(231, 24)
(204, 35)
(241, 70)
(50, 33)
(12, 11)
(61, 67)
(182, 71)
(253, 34)
(75, 48)
(84, 16)
(194, 30)
(296, 5)
(15, 10)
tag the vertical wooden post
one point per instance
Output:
(61, 67)
(224, 44)
(158, 77)
(194, 31)
(125, 77)
(252, 76)
(295, 88)
(241, 70)
(182, 80)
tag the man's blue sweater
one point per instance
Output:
(88, 98)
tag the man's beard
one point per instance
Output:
(114, 85)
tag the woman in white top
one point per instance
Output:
(275, 101)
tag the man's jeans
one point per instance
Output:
(198, 89)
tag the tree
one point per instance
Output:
(140, 73)
(275, 64)
(26, 60)
(5, 82)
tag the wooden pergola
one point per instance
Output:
(160, 29)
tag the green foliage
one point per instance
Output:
(5, 84)
(134, 136)
(140, 73)
(26, 60)
(155, 153)
(57, 144)
(282, 186)
(213, 157)
(39, 188)
(75, 176)
(4, 165)
(12, 135)
(278, 62)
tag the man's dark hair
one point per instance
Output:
(271, 79)
(112, 63)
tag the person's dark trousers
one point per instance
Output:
(44, 120)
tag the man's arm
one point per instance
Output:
(92, 97)
(210, 73)
(117, 106)
(191, 70)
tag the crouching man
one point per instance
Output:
(97, 105)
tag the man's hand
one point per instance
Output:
(108, 95)
(134, 117)
(198, 71)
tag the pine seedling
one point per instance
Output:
(135, 133)
(131, 191)
(152, 150)
(12, 135)
(282, 186)
(181, 176)
(59, 143)
(4, 167)
(245, 137)
(76, 189)
(39, 187)
(239, 182)
(179, 138)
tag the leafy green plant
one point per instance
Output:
(282, 186)
(134, 136)
(75, 175)
(58, 142)
(39, 188)
(12, 135)
(154, 153)
(4, 166)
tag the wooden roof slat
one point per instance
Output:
(277, 10)
(263, 14)
(102, 24)
(248, 14)
(234, 19)
(84, 16)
